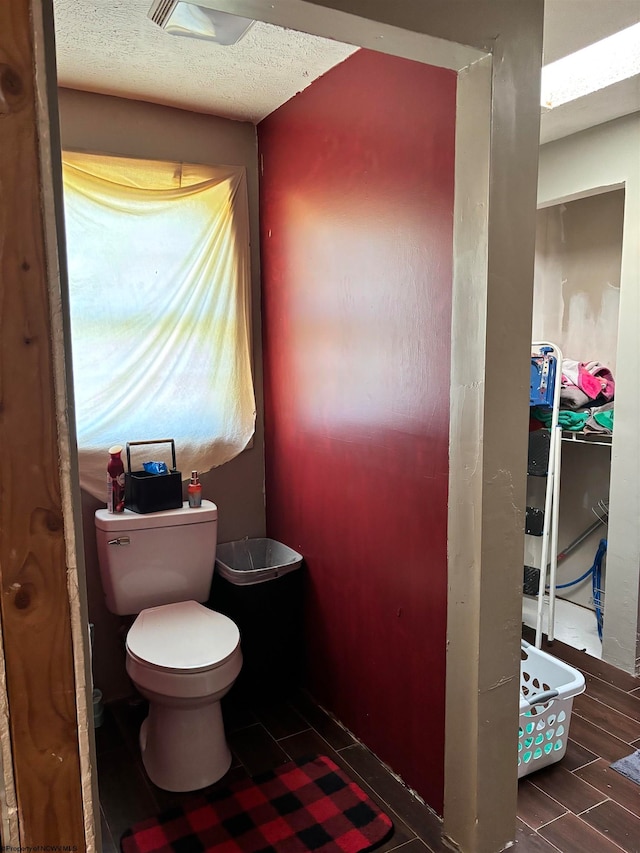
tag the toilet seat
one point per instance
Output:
(184, 637)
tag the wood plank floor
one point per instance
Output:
(581, 805)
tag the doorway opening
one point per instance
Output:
(576, 306)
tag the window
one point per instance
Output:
(160, 314)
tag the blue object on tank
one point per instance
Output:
(155, 467)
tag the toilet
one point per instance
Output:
(181, 656)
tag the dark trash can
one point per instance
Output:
(258, 584)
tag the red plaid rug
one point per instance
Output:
(299, 807)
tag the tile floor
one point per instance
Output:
(579, 805)
(259, 741)
(575, 625)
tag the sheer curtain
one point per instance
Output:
(160, 310)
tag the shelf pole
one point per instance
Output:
(545, 536)
(555, 516)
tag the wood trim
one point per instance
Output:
(37, 564)
(462, 818)
(9, 827)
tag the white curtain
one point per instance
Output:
(160, 310)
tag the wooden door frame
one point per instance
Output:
(48, 748)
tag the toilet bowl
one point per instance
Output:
(183, 658)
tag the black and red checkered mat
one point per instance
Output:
(298, 807)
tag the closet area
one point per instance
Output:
(576, 308)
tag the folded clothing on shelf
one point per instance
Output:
(574, 421)
(585, 383)
(594, 419)
(600, 420)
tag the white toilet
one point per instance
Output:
(181, 656)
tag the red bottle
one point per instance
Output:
(115, 480)
(194, 490)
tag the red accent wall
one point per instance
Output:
(356, 230)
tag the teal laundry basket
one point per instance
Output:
(547, 689)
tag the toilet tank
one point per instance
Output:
(156, 558)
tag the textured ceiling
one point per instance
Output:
(112, 47)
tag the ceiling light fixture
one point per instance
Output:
(179, 18)
(595, 67)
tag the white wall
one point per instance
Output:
(576, 290)
(598, 159)
(576, 300)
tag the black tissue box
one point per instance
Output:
(144, 492)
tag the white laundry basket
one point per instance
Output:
(547, 688)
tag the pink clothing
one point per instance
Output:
(604, 377)
(591, 377)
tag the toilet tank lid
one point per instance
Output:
(129, 520)
(184, 636)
